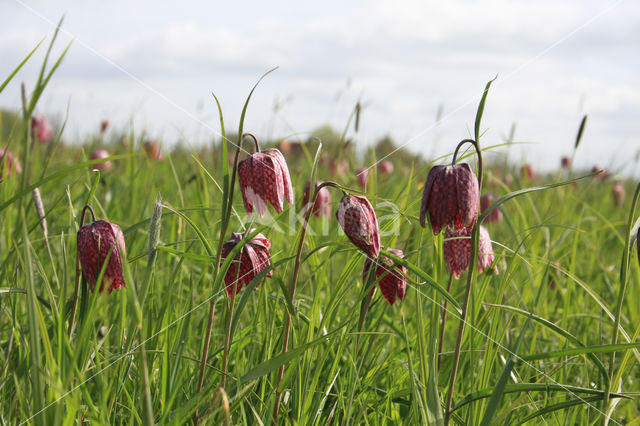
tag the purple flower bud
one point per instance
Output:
(264, 176)
(251, 260)
(41, 129)
(101, 153)
(385, 167)
(358, 220)
(363, 176)
(152, 148)
(94, 241)
(322, 205)
(393, 284)
(451, 197)
(9, 163)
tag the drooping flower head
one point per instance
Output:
(386, 167)
(618, 193)
(450, 197)
(528, 172)
(41, 129)
(322, 205)
(264, 176)
(393, 284)
(152, 148)
(485, 202)
(363, 176)
(101, 153)
(602, 174)
(248, 263)
(95, 241)
(457, 250)
(565, 162)
(9, 163)
(358, 220)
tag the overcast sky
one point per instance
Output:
(155, 65)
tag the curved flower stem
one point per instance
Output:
(624, 268)
(444, 319)
(212, 306)
(294, 283)
(255, 140)
(472, 267)
(76, 290)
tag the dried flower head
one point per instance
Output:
(249, 262)
(393, 284)
(264, 176)
(450, 197)
(358, 220)
(95, 241)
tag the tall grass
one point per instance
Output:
(539, 338)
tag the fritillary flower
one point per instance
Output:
(393, 284)
(95, 241)
(450, 197)
(358, 221)
(252, 259)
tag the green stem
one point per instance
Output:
(78, 275)
(472, 268)
(294, 283)
(444, 320)
(223, 231)
(624, 268)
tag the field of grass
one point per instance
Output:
(538, 346)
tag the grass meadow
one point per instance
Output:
(551, 339)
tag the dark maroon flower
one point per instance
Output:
(95, 241)
(152, 148)
(485, 202)
(251, 260)
(457, 250)
(101, 153)
(565, 162)
(363, 176)
(393, 284)
(358, 220)
(385, 167)
(322, 205)
(264, 176)
(9, 163)
(451, 197)
(41, 129)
